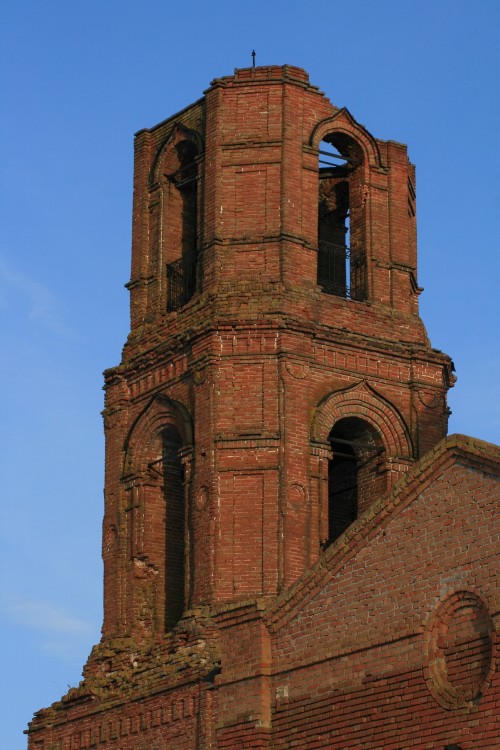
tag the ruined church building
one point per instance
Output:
(296, 557)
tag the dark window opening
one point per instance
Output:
(342, 489)
(341, 242)
(181, 273)
(173, 490)
(353, 480)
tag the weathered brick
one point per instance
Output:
(293, 555)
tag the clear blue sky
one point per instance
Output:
(78, 79)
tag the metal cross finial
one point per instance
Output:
(253, 58)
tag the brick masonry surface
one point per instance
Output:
(295, 555)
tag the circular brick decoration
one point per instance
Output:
(202, 497)
(296, 497)
(458, 650)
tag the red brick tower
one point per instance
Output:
(262, 340)
(276, 383)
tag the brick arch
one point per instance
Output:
(174, 219)
(156, 483)
(344, 122)
(178, 133)
(363, 402)
(144, 435)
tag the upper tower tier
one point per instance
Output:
(264, 185)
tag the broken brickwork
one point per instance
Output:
(292, 558)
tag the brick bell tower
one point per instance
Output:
(276, 382)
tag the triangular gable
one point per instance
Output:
(454, 449)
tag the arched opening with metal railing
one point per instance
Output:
(341, 233)
(181, 225)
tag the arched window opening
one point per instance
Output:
(181, 220)
(353, 478)
(173, 492)
(341, 234)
